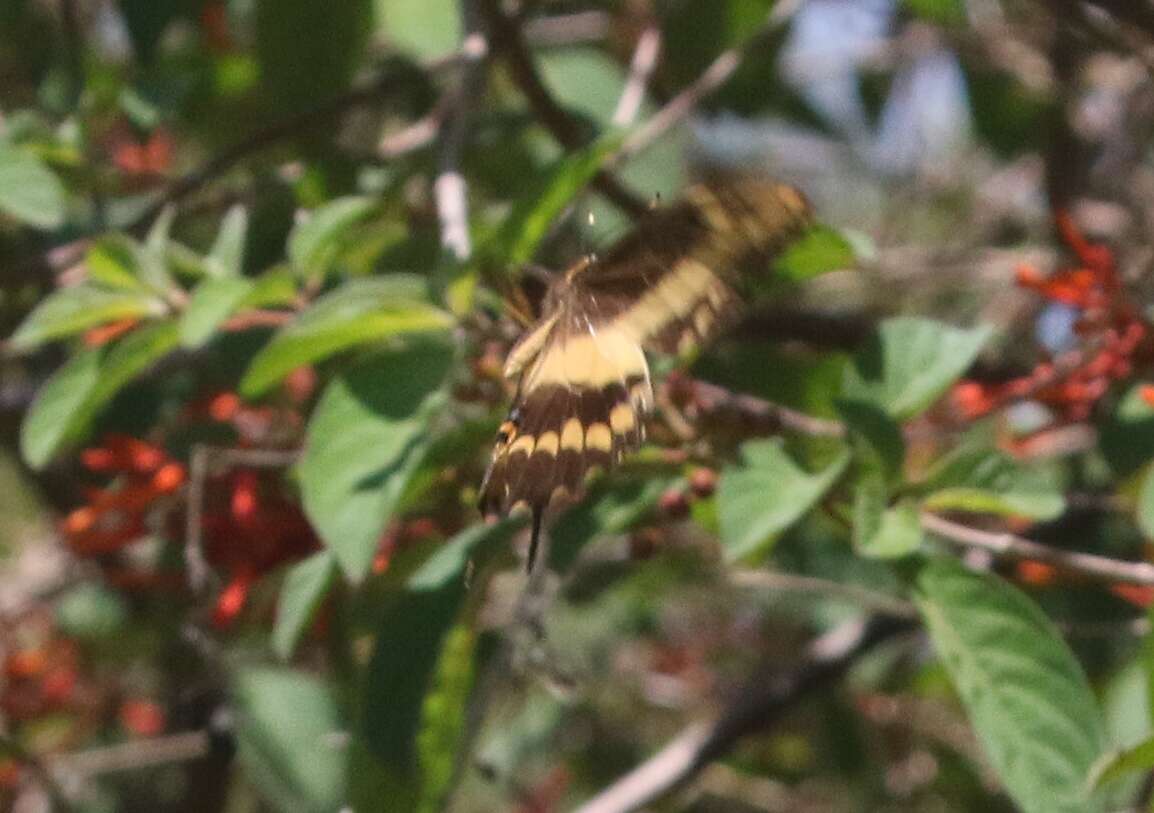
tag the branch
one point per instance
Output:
(640, 70)
(716, 75)
(449, 190)
(1010, 546)
(712, 398)
(508, 40)
(297, 125)
(768, 695)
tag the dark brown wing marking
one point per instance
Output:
(584, 389)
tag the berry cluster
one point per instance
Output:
(1109, 325)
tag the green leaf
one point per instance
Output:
(1127, 435)
(409, 645)
(72, 310)
(942, 12)
(1026, 695)
(1146, 502)
(983, 480)
(425, 29)
(759, 500)
(29, 191)
(365, 439)
(226, 259)
(895, 533)
(360, 311)
(444, 716)
(519, 236)
(289, 736)
(910, 363)
(112, 262)
(818, 251)
(1117, 764)
(213, 301)
(315, 242)
(877, 439)
(46, 425)
(92, 612)
(74, 396)
(305, 587)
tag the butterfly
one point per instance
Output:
(583, 383)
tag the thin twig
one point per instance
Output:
(641, 67)
(716, 75)
(133, 755)
(1011, 546)
(768, 695)
(297, 125)
(508, 40)
(777, 581)
(449, 189)
(712, 398)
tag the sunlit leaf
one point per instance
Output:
(910, 363)
(1026, 695)
(289, 738)
(305, 587)
(73, 310)
(360, 311)
(766, 495)
(29, 191)
(819, 251)
(213, 301)
(317, 240)
(226, 258)
(366, 437)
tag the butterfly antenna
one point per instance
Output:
(534, 539)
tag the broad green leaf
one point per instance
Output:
(910, 363)
(519, 236)
(153, 255)
(29, 191)
(226, 259)
(1026, 696)
(766, 495)
(276, 286)
(305, 587)
(75, 395)
(983, 480)
(360, 311)
(315, 242)
(1117, 764)
(425, 29)
(72, 310)
(289, 735)
(112, 262)
(45, 427)
(897, 532)
(445, 717)
(584, 79)
(213, 301)
(366, 437)
(409, 646)
(875, 436)
(819, 251)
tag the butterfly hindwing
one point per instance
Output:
(671, 284)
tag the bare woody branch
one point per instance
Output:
(509, 42)
(768, 695)
(1011, 546)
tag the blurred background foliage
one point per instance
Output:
(261, 260)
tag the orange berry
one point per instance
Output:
(25, 663)
(59, 685)
(224, 407)
(1037, 574)
(169, 478)
(79, 520)
(144, 718)
(98, 459)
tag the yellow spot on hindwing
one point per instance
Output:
(622, 420)
(547, 443)
(597, 436)
(522, 444)
(572, 435)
